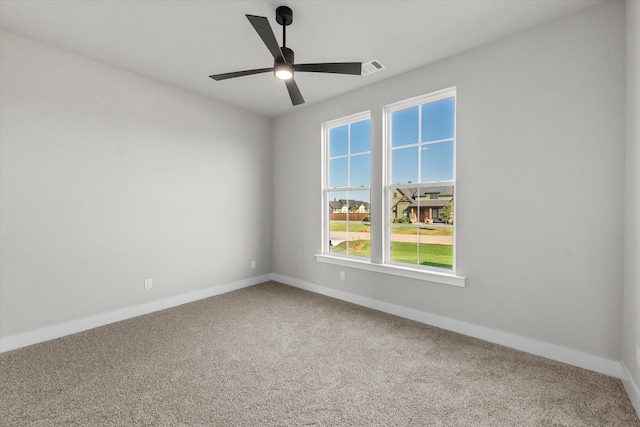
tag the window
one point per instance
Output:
(409, 229)
(420, 144)
(347, 201)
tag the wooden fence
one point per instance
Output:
(352, 216)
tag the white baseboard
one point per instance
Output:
(631, 387)
(538, 348)
(67, 328)
(550, 351)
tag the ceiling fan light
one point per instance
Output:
(283, 71)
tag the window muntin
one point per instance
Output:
(421, 181)
(347, 196)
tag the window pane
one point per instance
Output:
(404, 205)
(404, 127)
(360, 136)
(436, 232)
(437, 120)
(337, 236)
(430, 245)
(404, 244)
(349, 222)
(338, 172)
(359, 242)
(359, 226)
(404, 216)
(436, 204)
(404, 165)
(337, 220)
(437, 162)
(406, 252)
(421, 225)
(360, 170)
(339, 141)
(436, 245)
(336, 199)
(359, 205)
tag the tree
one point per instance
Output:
(446, 212)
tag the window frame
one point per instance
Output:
(380, 190)
(326, 190)
(389, 186)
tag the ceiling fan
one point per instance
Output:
(283, 65)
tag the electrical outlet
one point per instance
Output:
(253, 264)
(148, 284)
(638, 356)
(342, 275)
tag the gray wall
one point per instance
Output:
(541, 120)
(109, 178)
(631, 328)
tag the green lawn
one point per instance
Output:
(354, 227)
(356, 247)
(432, 254)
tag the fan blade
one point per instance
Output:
(331, 67)
(225, 76)
(294, 92)
(262, 27)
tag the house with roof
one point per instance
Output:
(421, 204)
(339, 208)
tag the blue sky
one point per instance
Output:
(354, 139)
(422, 124)
(421, 141)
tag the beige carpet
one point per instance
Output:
(272, 355)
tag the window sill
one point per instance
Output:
(395, 270)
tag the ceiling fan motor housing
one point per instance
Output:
(288, 55)
(284, 15)
(283, 65)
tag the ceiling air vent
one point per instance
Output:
(372, 67)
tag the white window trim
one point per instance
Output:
(323, 174)
(386, 159)
(394, 269)
(428, 274)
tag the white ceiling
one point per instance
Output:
(182, 42)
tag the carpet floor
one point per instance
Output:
(273, 355)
